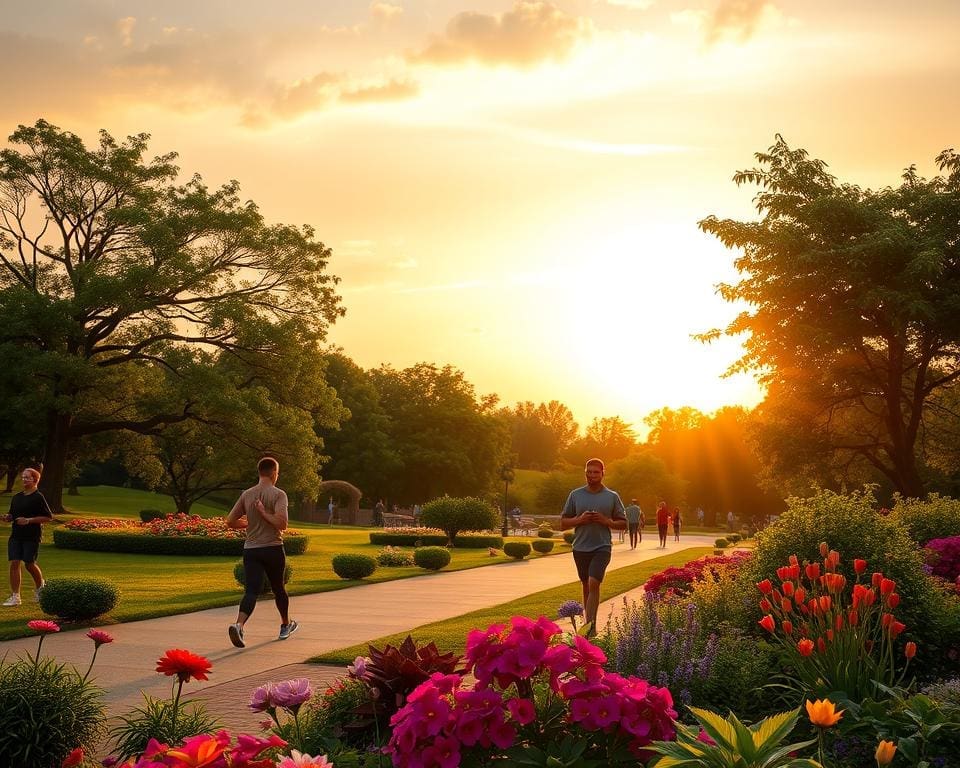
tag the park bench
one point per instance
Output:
(522, 524)
(395, 520)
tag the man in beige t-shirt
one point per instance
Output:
(262, 510)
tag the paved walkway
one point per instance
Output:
(329, 620)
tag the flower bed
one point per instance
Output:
(98, 523)
(679, 579)
(135, 540)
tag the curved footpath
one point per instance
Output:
(328, 620)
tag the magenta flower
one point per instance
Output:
(100, 637)
(262, 698)
(44, 626)
(522, 710)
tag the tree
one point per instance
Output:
(644, 476)
(853, 303)
(609, 438)
(534, 442)
(108, 265)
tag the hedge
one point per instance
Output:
(478, 541)
(382, 538)
(118, 540)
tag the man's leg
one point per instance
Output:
(592, 602)
(34, 570)
(15, 576)
(274, 564)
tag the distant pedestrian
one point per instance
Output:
(263, 511)
(634, 517)
(676, 523)
(378, 510)
(28, 512)
(730, 520)
(331, 508)
(700, 516)
(592, 510)
(663, 519)
(416, 514)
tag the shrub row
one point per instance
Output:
(462, 540)
(137, 543)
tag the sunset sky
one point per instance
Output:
(510, 187)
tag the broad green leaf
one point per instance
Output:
(717, 727)
(745, 745)
(772, 730)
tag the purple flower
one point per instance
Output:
(262, 698)
(359, 667)
(291, 694)
(569, 608)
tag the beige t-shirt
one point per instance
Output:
(259, 532)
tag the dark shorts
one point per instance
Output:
(592, 565)
(25, 551)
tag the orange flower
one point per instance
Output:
(823, 713)
(885, 752)
(73, 759)
(767, 623)
(910, 650)
(805, 647)
(198, 752)
(184, 665)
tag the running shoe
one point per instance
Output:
(14, 599)
(288, 629)
(236, 635)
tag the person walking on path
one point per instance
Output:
(262, 510)
(593, 510)
(663, 516)
(28, 512)
(330, 509)
(634, 523)
(676, 523)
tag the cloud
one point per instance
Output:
(637, 5)
(385, 12)
(737, 19)
(531, 32)
(392, 90)
(125, 27)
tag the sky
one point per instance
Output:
(511, 187)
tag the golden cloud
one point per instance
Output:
(736, 18)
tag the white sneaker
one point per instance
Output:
(14, 599)
(36, 592)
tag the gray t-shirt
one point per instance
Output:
(633, 514)
(593, 536)
(259, 532)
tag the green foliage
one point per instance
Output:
(566, 753)
(476, 541)
(737, 745)
(741, 669)
(142, 544)
(155, 720)
(46, 710)
(352, 566)
(545, 531)
(517, 549)
(568, 536)
(331, 715)
(146, 515)
(406, 537)
(391, 557)
(721, 543)
(78, 598)
(718, 595)
(453, 515)
(733, 538)
(542, 545)
(936, 517)
(554, 488)
(265, 589)
(431, 558)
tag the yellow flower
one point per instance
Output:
(823, 713)
(885, 752)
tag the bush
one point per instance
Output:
(542, 545)
(475, 540)
(146, 515)
(943, 557)
(431, 558)
(46, 710)
(517, 549)
(936, 517)
(78, 598)
(239, 575)
(568, 536)
(137, 542)
(329, 716)
(453, 515)
(392, 557)
(721, 543)
(545, 532)
(154, 720)
(409, 537)
(351, 566)
(733, 538)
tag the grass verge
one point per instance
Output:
(451, 634)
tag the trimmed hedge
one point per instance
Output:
(733, 538)
(265, 588)
(78, 598)
(517, 549)
(431, 558)
(146, 515)
(721, 543)
(545, 532)
(542, 545)
(382, 538)
(351, 566)
(128, 542)
(568, 536)
(478, 541)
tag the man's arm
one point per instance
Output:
(45, 515)
(237, 517)
(278, 518)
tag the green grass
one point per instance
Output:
(450, 634)
(162, 585)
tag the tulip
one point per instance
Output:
(896, 628)
(786, 606)
(813, 571)
(893, 600)
(783, 573)
(838, 622)
(830, 635)
(859, 566)
(821, 645)
(885, 752)
(886, 620)
(875, 579)
(824, 549)
(795, 571)
(805, 647)
(853, 618)
(788, 588)
(767, 623)
(765, 605)
(793, 560)
(800, 594)
(765, 586)
(825, 603)
(887, 586)
(788, 627)
(823, 713)
(910, 650)
(870, 598)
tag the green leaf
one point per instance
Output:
(772, 730)
(717, 727)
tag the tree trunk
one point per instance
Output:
(11, 478)
(55, 459)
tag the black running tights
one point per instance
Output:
(257, 563)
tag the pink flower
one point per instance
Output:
(100, 637)
(44, 626)
(706, 738)
(262, 698)
(291, 694)
(358, 668)
(522, 710)
(299, 760)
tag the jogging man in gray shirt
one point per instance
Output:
(593, 510)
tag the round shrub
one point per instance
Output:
(733, 538)
(545, 532)
(146, 515)
(431, 558)
(351, 566)
(517, 549)
(453, 515)
(265, 589)
(542, 545)
(721, 543)
(46, 710)
(474, 540)
(936, 517)
(409, 537)
(78, 598)
(568, 536)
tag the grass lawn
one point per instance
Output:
(161, 585)
(451, 634)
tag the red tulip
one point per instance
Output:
(765, 586)
(876, 579)
(788, 588)
(821, 645)
(859, 566)
(887, 586)
(910, 650)
(896, 628)
(830, 635)
(886, 620)
(786, 606)
(813, 571)
(787, 627)
(825, 603)
(800, 594)
(838, 621)
(793, 560)
(767, 623)
(853, 618)
(824, 549)
(805, 647)
(893, 600)
(765, 605)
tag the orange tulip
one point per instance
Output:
(885, 752)
(767, 623)
(910, 650)
(805, 647)
(823, 713)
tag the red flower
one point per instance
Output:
(876, 579)
(813, 571)
(767, 623)
(765, 605)
(788, 588)
(765, 586)
(184, 665)
(805, 647)
(825, 602)
(100, 637)
(887, 586)
(786, 606)
(42, 625)
(824, 549)
(893, 600)
(910, 650)
(886, 620)
(859, 566)
(838, 621)
(853, 617)
(788, 627)
(800, 594)
(896, 628)
(821, 645)
(73, 759)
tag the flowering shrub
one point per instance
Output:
(394, 557)
(533, 689)
(943, 557)
(193, 525)
(98, 523)
(835, 641)
(679, 579)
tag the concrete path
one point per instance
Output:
(328, 620)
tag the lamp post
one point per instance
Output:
(506, 474)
